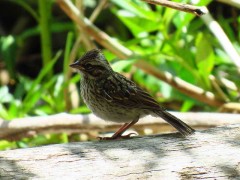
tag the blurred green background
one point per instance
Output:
(37, 41)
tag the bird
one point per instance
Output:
(113, 97)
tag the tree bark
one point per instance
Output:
(208, 154)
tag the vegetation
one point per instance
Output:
(38, 41)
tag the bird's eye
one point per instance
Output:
(88, 66)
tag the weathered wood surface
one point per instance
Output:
(209, 154)
(68, 123)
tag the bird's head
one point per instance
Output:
(93, 64)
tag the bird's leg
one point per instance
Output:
(120, 131)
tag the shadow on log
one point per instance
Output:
(209, 154)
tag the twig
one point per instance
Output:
(122, 52)
(97, 10)
(218, 88)
(234, 107)
(228, 84)
(178, 6)
(84, 37)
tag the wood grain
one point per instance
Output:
(210, 154)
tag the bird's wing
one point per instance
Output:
(119, 90)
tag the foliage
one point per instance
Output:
(172, 41)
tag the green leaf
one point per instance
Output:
(187, 105)
(120, 65)
(137, 8)
(4, 113)
(4, 145)
(137, 25)
(35, 86)
(8, 49)
(204, 58)
(5, 96)
(22, 144)
(15, 109)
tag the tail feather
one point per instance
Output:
(182, 127)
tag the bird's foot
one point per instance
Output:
(128, 136)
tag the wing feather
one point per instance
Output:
(123, 92)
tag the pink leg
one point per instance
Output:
(118, 133)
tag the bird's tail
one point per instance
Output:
(182, 127)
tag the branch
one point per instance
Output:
(211, 154)
(178, 6)
(67, 123)
(122, 52)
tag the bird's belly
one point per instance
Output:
(113, 113)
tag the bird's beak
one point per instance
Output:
(76, 65)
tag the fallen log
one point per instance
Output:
(208, 154)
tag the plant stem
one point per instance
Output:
(46, 45)
(70, 38)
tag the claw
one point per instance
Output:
(128, 136)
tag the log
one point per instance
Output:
(208, 154)
(19, 128)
